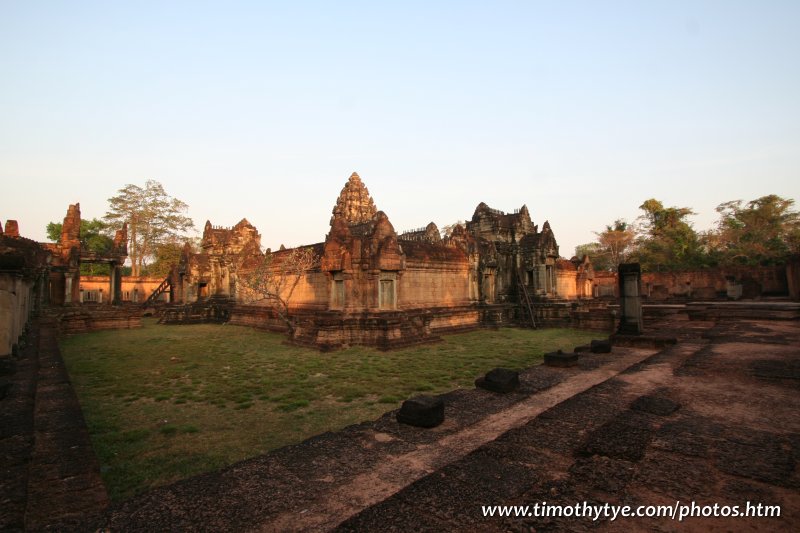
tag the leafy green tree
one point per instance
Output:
(94, 238)
(763, 231)
(667, 240)
(154, 219)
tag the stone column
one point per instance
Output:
(630, 301)
(541, 280)
(115, 296)
(111, 275)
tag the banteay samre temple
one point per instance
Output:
(366, 284)
(374, 286)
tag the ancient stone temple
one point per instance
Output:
(373, 285)
(213, 272)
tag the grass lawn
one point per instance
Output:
(167, 402)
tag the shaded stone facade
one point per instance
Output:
(23, 282)
(373, 285)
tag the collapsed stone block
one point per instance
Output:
(499, 380)
(422, 411)
(561, 359)
(601, 346)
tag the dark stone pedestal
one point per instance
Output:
(422, 411)
(499, 380)
(601, 346)
(561, 359)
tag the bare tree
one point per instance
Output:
(276, 278)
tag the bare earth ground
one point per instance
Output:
(713, 419)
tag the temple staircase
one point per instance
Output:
(161, 289)
(525, 304)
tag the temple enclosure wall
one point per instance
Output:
(707, 284)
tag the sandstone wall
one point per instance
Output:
(134, 288)
(16, 298)
(431, 285)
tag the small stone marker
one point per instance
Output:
(422, 411)
(499, 380)
(561, 359)
(601, 346)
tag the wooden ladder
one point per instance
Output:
(525, 304)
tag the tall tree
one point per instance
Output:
(667, 240)
(762, 231)
(154, 218)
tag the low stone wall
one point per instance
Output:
(392, 329)
(82, 319)
(584, 314)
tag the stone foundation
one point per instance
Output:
(93, 318)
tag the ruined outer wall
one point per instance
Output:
(712, 283)
(142, 285)
(22, 266)
(703, 284)
(16, 295)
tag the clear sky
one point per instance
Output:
(581, 110)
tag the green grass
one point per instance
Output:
(166, 402)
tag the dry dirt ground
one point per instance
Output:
(712, 419)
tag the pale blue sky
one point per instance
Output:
(581, 110)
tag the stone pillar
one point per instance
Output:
(630, 300)
(111, 282)
(541, 280)
(116, 286)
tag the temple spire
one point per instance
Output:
(354, 204)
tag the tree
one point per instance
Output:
(667, 240)
(616, 241)
(599, 258)
(612, 247)
(447, 230)
(763, 231)
(154, 218)
(276, 278)
(166, 255)
(94, 238)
